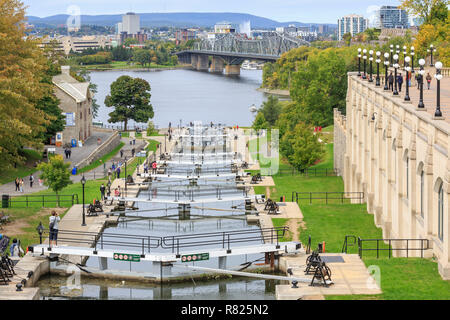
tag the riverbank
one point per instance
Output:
(277, 92)
(135, 68)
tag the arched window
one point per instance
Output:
(441, 212)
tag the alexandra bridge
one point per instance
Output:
(228, 51)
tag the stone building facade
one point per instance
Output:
(76, 104)
(398, 156)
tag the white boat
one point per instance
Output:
(247, 65)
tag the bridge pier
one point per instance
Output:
(233, 70)
(223, 263)
(217, 65)
(103, 263)
(194, 60)
(203, 63)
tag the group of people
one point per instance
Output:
(391, 80)
(114, 170)
(19, 182)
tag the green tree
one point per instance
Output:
(142, 56)
(301, 146)
(50, 105)
(347, 37)
(429, 11)
(150, 128)
(55, 173)
(131, 99)
(260, 122)
(130, 41)
(271, 110)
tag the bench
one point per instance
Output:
(93, 209)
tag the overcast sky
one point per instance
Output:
(321, 11)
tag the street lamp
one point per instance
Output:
(377, 80)
(431, 50)
(371, 69)
(386, 64)
(83, 182)
(395, 75)
(421, 74)
(40, 230)
(412, 59)
(125, 175)
(392, 53)
(359, 62)
(408, 69)
(365, 59)
(404, 56)
(438, 77)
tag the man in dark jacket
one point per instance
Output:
(391, 82)
(400, 82)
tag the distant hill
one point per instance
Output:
(179, 20)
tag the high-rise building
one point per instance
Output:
(131, 23)
(352, 24)
(391, 17)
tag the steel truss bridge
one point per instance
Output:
(230, 50)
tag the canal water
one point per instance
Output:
(190, 95)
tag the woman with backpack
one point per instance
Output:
(428, 80)
(53, 227)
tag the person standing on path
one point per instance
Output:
(53, 227)
(118, 172)
(428, 80)
(102, 191)
(31, 180)
(121, 153)
(391, 82)
(400, 82)
(21, 183)
(154, 167)
(17, 182)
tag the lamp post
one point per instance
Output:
(421, 74)
(408, 69)
(109, 188)
(370, 68)
(386, 64)
(395, 74)
(125, 176)
(377, 79)
(359, 62)
(431, 50)
(83, 182)
(404, 56)
(438, 77)
(412, 59)
(365, 59)
(392, 54)
(40, 230)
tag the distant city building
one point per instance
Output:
(391, 17)
(140, 37)
(323, 28)
(224, 27)
(119, 28)
(131, 23)
(352, 24)
(185, 35)
(77, 44)
(301, 32)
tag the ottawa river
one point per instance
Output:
(189, 95)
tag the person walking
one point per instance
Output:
(391, 81)
(154, 167)
(400, 82)
(70, 153)
(133, 152)
(66, 152)
(428, 80)
(31, 180)
(53, 227)
(121, 153)
(118, 172)
(102, 191)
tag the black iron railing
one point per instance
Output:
(399, 245)
(348, 243)
(44, 201)
(325, 172)
(329, 197)
(146, 243)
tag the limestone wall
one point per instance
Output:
(339, 141)
(399, 157)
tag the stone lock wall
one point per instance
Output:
(399, 157)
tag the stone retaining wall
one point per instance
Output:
(106, 147)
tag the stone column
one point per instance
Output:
(217, 65)
(194, 60)
(232, 70)
(203, 63)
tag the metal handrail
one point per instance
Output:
(328, 196)
(346, 244)
(390, 249)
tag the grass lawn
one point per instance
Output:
(22, 171)
(152, 146)
(102, 160)
(125, 134)
(280, 222)
(405, 279)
